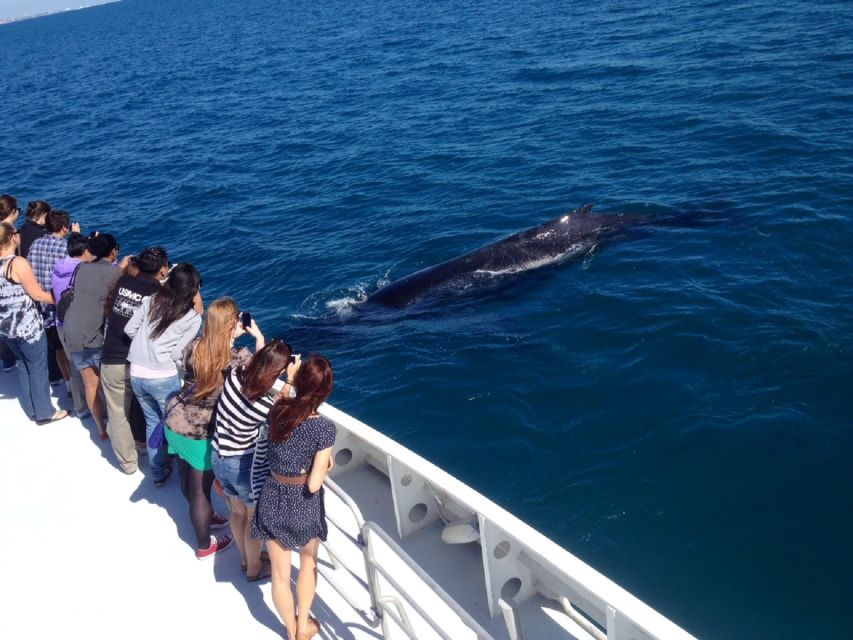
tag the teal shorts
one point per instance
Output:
(195, 452)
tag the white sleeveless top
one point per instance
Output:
(19, 317)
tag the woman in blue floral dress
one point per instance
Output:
(290, 511)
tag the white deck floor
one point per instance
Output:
(87, 551)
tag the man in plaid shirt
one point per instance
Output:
(44, 253)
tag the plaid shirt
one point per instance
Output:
(44, 253)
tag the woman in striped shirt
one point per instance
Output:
(242, 409)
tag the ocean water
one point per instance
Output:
(674, 408)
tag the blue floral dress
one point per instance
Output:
(290, 514)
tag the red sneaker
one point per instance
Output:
(217, 521)
(217, 544)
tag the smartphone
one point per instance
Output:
(294, 358)
(246, 319)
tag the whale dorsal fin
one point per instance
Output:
(584, 210)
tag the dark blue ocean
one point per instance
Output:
(674, 408)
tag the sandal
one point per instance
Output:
(313, 629)
(59, 414)
(263, 575)
(265, 559)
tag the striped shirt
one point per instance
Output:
(238, 420)
(44, 253)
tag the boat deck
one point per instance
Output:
(90, 549)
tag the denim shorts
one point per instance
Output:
(235, 475)
(87, 358)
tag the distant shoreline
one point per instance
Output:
(55, 11)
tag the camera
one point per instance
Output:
(246, 319)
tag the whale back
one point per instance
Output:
(575, 232)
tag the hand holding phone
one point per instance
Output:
(293, 365)
(246, 319)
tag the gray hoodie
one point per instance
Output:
(164, 353)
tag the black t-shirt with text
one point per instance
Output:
(129, 293)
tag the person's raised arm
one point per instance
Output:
(22, 272)
(290, 371)
(322, 465)
(254, 331)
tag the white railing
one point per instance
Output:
(518, 562)
(384, 604)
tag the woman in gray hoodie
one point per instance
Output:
(160, 329)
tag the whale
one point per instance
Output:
(572, 234)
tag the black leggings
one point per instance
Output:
(195, 485)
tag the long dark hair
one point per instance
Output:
(173, 301)
(265, 366)
(313, 381)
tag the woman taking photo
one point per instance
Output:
(161, 329)
(242, 408)
(188, 423)
(22, 329)
(290, 509)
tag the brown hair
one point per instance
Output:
(7, 205)
(265, 366)
(7, 232)
(56, 220)
(313, 381)
(37, 209)
(212, 353)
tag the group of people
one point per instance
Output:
(136, 348)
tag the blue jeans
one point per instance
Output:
(32, 374)
(153, 395)
(87, 358)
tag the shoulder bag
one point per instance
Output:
(158, 436)
(67, 297)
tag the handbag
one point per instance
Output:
(67, 297)
(158, 437)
